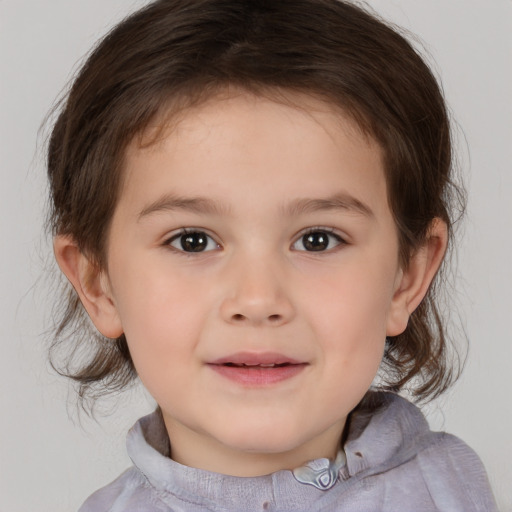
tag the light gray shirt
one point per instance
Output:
(391, 462)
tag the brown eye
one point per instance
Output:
(317, 241)
(193, 241)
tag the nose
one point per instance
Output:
(257, 295)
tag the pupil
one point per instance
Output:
(193, 242)
(318, 241)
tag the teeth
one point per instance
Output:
(247, 365)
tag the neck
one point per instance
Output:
(196, 450)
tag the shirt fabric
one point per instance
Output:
(392, 462)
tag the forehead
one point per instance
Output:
(183, 110)
(250, 142)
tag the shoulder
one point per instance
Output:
(128, 493)
(390, 442)
(454, 473)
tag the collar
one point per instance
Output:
(380, 436)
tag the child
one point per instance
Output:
(252, 200)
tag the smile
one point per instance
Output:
(256, 370)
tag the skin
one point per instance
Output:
(254, 176)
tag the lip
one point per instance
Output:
(255, 370)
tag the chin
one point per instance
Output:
(272, 440)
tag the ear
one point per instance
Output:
(414, 281)
(90, 283)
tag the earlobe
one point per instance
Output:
(91, 285)
(414, 281)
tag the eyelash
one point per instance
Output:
(330, 232)
(319, 230)
(189, 231)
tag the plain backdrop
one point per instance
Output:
(51, 463)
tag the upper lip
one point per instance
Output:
(256, 359)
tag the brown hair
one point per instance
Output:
(174, 53)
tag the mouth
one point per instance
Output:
(260, 365)
(256, 370)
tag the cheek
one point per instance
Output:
(348, 313)
(162, 317)
(352, 303)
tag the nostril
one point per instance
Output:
(238, 317)
(274, 318)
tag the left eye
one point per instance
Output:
(193, 241)
(317, 241)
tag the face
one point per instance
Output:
(253, 267)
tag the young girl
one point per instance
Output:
(252, 201)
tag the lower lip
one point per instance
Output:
(258, 376)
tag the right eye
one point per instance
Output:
(193, 241)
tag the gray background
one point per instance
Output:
(50, 463)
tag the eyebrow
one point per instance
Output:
(207, 206)
(171, 202)
(340, 201)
